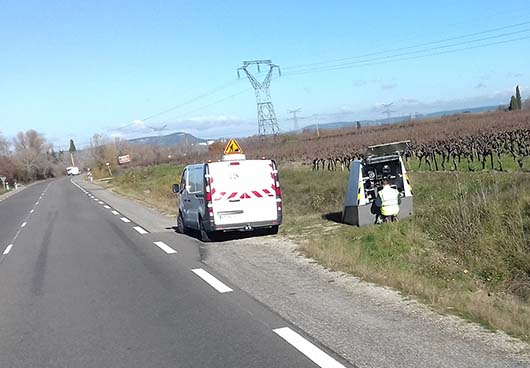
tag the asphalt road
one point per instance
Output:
(83, 286)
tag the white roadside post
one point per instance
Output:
(3, 178)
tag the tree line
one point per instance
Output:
(28, 157)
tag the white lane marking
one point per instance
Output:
(107, 207)
(100, 202)
(8, 249)
(115, 212)
(320, 358)
(140, 230)
(94, 198)
(212, 281)
(24, 224)
(31, 211)
(166, 248)
(125, 219)
(37, 203)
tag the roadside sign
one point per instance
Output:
(232, 147)
(124, 159)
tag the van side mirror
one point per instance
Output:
(176, 188)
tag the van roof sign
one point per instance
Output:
(232, 147)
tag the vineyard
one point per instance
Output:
(460, 142)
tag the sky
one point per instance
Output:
(127, 68)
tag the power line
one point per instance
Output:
(395, 58)
(408, 47)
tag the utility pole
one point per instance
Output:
(294, 118)
(267, 121)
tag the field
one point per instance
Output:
(465, 251)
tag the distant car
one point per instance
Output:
(72, 170)
(233, 194)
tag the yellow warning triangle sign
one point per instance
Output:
(232, 147)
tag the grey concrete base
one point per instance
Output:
(367, 214)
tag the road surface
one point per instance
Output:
(81, 285)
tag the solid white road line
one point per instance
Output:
(320, 358)
(107, 207)
(212, 281)
(166, 248)
(8, 249)
(23, 224)
(115, 212)
(140, 230)
(125, 219)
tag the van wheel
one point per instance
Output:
(273, 230)
(181, 229)
(206, 236)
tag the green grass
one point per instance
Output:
(466, 250)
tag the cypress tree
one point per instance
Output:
(518, 98)
(513, 104)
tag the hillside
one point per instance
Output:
(168, 140)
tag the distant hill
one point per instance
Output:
(398, 119)
(169, 140)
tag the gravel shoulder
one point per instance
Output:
(368, 325)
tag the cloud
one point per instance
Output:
(389, 86)
(480, 85)
(359, 83)
(512, 75)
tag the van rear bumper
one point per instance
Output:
(248, 226)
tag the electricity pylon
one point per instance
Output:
(266, 116)
(387, 110)
(294, 118)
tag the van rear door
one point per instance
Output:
(243, 192)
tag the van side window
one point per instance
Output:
(196, 180)
(183, 182)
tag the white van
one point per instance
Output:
(233, 194)
(72, 170)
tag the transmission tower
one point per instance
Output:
(387, 110)
(266, 117)
(294, 118)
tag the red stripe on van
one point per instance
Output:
(244, 195)
(267, 192)
(221, 195)
(232, 195)
(256, 193)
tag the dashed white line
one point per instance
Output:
(37, 203)
(166, 248)
(102, 203)
(107, 207)
(31, 211)
(320, 358)
(140, 230)
(115, 212)
(212, 281)
(8, 249)
(24, 224)
(125, 219)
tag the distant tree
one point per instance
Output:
(72, 148)
(358, 125)
(513, 104)
(32, 155)
(518, 97)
